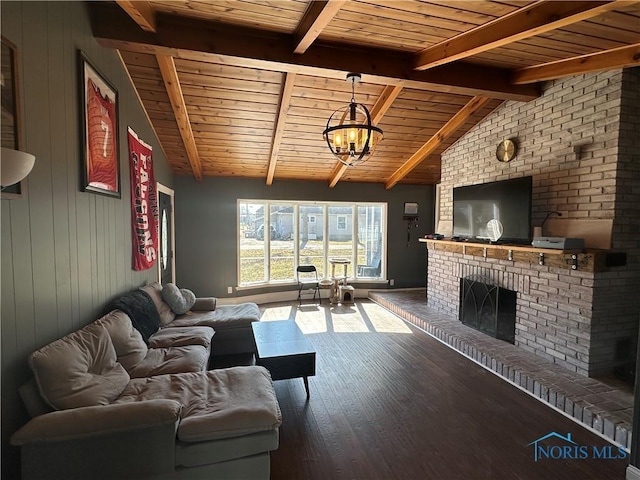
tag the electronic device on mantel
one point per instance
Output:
(559, 243)
(507, 202)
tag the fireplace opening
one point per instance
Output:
(488, 308)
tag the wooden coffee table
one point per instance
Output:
(284, 350)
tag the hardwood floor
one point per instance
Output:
(390, 402)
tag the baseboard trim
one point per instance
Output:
(633, 473)
(288, 296)
(291, 295)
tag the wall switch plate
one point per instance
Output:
(229, 289)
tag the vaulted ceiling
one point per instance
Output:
(245, 87)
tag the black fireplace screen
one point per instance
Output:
(488, 308)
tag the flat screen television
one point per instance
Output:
(508, 201)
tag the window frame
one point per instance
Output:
(325, 242)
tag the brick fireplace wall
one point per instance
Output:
(580, 142)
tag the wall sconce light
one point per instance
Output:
(14, 166)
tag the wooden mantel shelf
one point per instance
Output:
(586, 261)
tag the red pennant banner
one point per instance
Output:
(144, 204)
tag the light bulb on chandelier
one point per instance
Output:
(350, 133)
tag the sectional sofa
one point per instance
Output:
(112, 401)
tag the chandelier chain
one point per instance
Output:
(353, 90)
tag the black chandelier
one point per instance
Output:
(351, 136)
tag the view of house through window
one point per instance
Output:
(274, 237)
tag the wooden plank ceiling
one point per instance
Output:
(245, 87)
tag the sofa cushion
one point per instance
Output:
(161, 361)
(205, 304)
(181, 336)
(127, 341)
(83, 423)
(224, 316)
(179, 299)
(216, 404)
(155, 292)
(79, 370)
(32, 399)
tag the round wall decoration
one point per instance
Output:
(506, 150)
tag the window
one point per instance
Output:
(164, 240)
(370, 243)
(340, 243)
(281, 266)
(252, 252)
(274, 237)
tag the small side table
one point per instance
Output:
(324, 284)
(338, 280)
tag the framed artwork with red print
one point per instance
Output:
(100, 147)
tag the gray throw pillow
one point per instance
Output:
(179, 299)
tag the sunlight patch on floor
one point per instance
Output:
(311, 319)
(276, 313)
(361, 317)
(383, 320)
(347, 320)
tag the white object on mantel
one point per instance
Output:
(494, 229)
(15, 166)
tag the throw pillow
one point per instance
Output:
(79, 370)
(127, 341)
(179, 299)
(154, 290)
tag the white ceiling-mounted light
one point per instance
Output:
(350, 134)
(14, 166)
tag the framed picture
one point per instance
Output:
(100, 145)
(10, 124)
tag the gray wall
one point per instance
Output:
(65, 253)
(206, 223)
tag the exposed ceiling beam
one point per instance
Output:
(336, 174)
(534, 19)
(250, 47)
(475, 104)
(622, 57)
(384, 102)
(285, 98)
(315, 18)
(146, 113)
(172, 84)
(142, 13)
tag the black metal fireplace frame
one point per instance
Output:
(488, 308)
